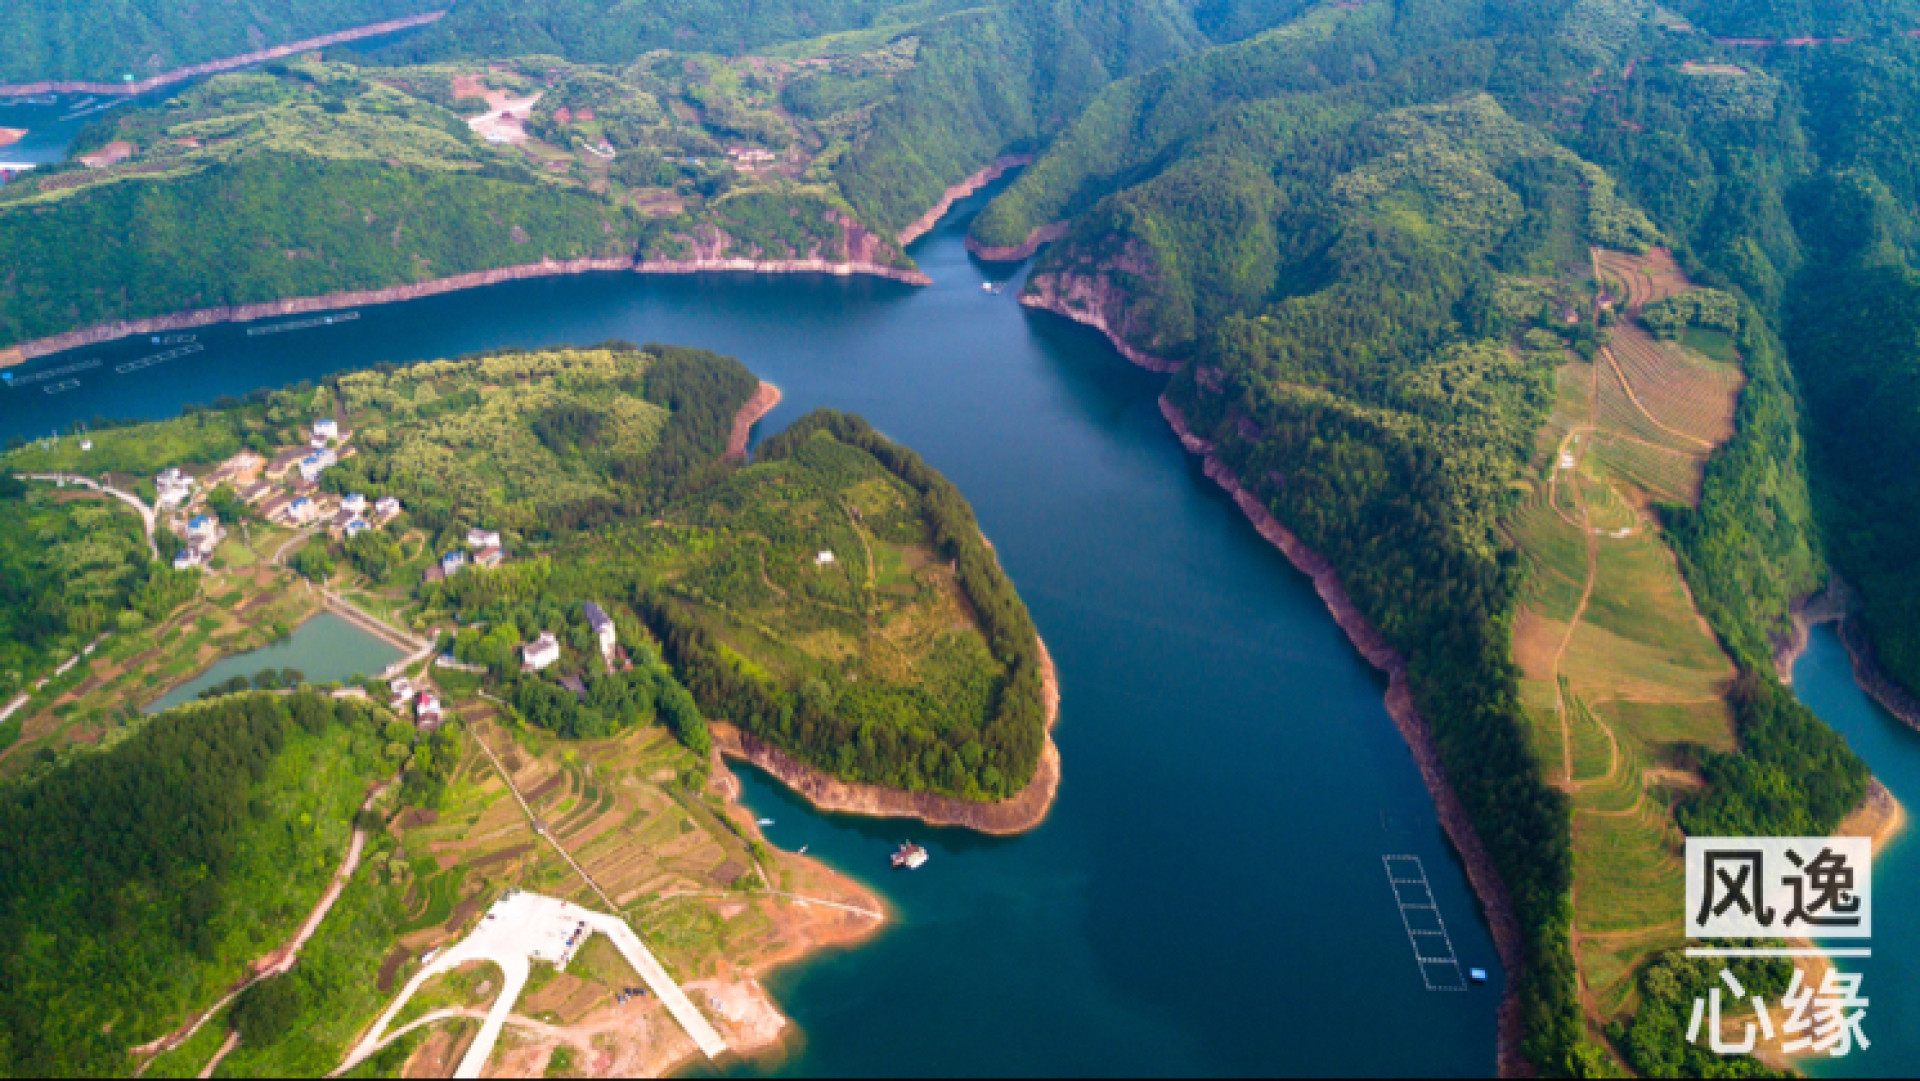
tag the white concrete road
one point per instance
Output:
(525, 927)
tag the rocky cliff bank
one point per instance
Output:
(1094, 302)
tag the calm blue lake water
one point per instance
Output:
(1208, 896)
(325, 649)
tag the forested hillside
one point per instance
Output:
(1356, 239)
(1368, 237)
(1785, 182)
(142, 881)
(905, 659)
(72, 567)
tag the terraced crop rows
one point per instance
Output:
(1648, 278)
(1686, 395)
(1666, 474)
(1619, 674)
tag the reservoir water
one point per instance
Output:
(1208, 896)
(1890, 979)
(324, 649)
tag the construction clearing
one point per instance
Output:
(522, 928)
(570, 854)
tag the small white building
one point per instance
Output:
(541, 652)
(427, 709)
(354, 502)
(488, 558)
(202, 527)
(324, 430)
(452, 563)
(358, 526)
(316, 463)
(386, 507)
(602, 627)
(301, 511)
(824, 559)
(172, 488)
(403, 691)
(187, 559)
(483, 538)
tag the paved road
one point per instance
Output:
(485, 944)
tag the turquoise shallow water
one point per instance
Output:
(325, 649)
(1208, 896)
(1890, 979)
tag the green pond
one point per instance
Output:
(325, 649)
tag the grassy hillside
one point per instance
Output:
(105, 40)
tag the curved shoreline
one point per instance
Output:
(1040, 237)
(1481, 871)
(1044, 295)
(1834, 604)
(395, 294)
(215, 67)
(763, 402)
(924, 224)
(1017, 814)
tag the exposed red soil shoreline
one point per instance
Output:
(243, 313)
(758, 406)
(1486, 880)
(1041, 236)
(1018, 814)
(214, 67)
(1044, 294)
(925, 222)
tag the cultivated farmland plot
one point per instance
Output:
(1619, 673)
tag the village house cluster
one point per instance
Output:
(427, 710)
(487, 551)
(543, 652)
(285, 490)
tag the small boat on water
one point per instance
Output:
(766, 821)
(910, 856)
(803, 850)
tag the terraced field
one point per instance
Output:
(640, 816)
(1619, 670)
(1641, 279)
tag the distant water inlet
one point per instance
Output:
(326, 648)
